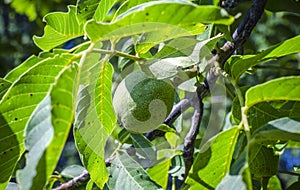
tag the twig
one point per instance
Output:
(249, 22)
(75, 182)
(189, 140)
(177, 110)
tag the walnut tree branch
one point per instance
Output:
(76, 182)
(240, 35)
(189, 140)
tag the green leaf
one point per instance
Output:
(19, 102)
(89, 185)
(4, 86)
(97, 9)
(282, 129)
(240, 167)
(95, 118)
(72, 171)
(159, 173)
(232, 182)
(179, 54)
(157, 16)
(39, 133)
(178, 47)
(213, 161)
(172, 139)
(150, 39)
(61, 27)
(144, 147)
(262, 161)
(103, 9)
(274, 183)
(196, 50)
(261, 101)
(166, 68)
(260, 114)
(285, 88)
(237, 65)
(85, 9)
(189, 85)
(129, 4)
(62, 115)
(16, 72)
(126, 173)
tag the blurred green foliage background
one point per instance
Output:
(19, 21)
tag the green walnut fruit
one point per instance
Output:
(142, 103)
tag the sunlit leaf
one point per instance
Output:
(193, 48)
(166, 68)
(126, 173)
(148, 40)
(103, 9)
(4, 86)
(95, 118)
(19, 102)
(237, 65)
(274, 183)
(61, 27)
(260, 114)
(97, 9)
(157, 16)
(159, 173)
(285, 88)
(213, 161)
(177, 55)
(86, 9)
(129, 4)
(16, 72)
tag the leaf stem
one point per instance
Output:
(118, 53)
(81, 62)
(241, 98)
(80, 45)
(84, 54)
(238, 91)
(245, 123)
